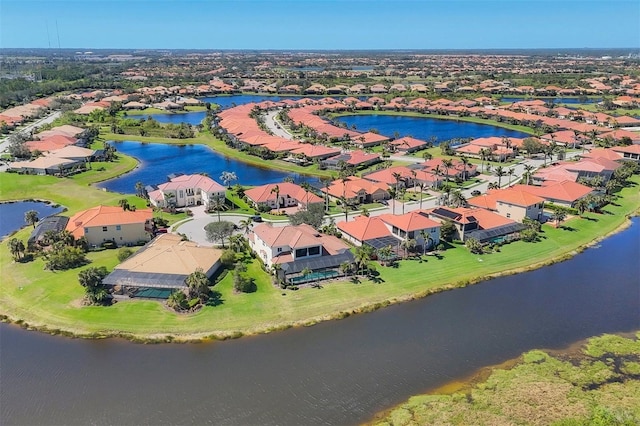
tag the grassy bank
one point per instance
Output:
(50, 300)
(598, 384)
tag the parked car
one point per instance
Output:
(475, 193)
(256, 218)
(162, 230)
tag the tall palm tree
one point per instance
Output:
(326, 182)
(276, 190)
(485, 153)
(408, 245)
(245, 225)
(465, 163)
(447, 163)
(528, 172)
(217, 203)
(397, 176)
(499, 172)
(307, 187)
(511, 172)
(421, 186)
(362, 256)
(437, 171)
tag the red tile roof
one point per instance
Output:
(106, 216)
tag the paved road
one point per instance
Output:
(4, 143)
(272, 124)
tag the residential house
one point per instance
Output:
(631, 152)
(369, 139)
(472, 222)
(357, 159)
(162, 267)
(357, 190)
(407, 144)
(104, 223)
(414, 225)
(187, 190)
(511, 203)
(564, 193)
(367, 230)
(295, 249)
(281, 195)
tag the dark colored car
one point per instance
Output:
(256, 218)
(475, 192)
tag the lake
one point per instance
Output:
(424, 128)
(187, 159)
(12, 214)
(340, 372)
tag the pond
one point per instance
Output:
(425, 128)
(339, 372)
(12, 214)
(157, 161)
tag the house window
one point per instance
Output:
(104, 229)
(314, 250)
(118, 228)
(301, 252)
(508, 214)
(411, 234)
(279, 249)
(181, 194)
(86, 230)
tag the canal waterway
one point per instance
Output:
(340, 372)
(425, 128)
(12, 214)
(157, 161)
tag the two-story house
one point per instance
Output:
(281, 195)
(511, 203)
(298, 248)
(106, 223)
(187, 190)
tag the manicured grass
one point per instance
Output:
(50, 299)
(597, 385)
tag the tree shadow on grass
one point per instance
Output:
(568, 228)
(215, 299)
(590, 219)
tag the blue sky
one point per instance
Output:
(320, 24)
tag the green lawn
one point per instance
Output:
(51, 299)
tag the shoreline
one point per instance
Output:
(208, 337)
(465, 385)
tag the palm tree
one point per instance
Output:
(385, 254)
(421, 185)
(325, 183)
(307, 187)
(528, 172)
(425, 237)
(306, 271)
(362, 256)
(392, 192)
(499, 172)
(559, 215)
(276, 190)
(364, 212)
(511, 172)
(140, 191)
(218, 203)
(16, 247)
(465, 163)
(437, 171)
(458, 199)
(31, 218)
(237, 243)
(408, 245)
(581, 205)
(124, 203)
(485, 153)
(447, 163)
(245, 225)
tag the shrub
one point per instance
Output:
(109, 244)
(124, 253)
